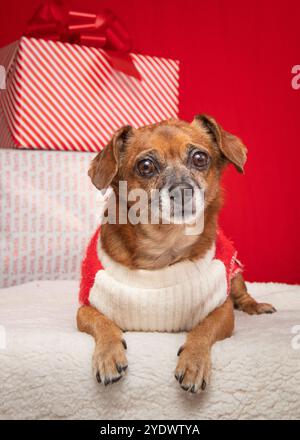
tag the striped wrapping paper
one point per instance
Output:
(61, 96)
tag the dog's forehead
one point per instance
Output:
(170, 139)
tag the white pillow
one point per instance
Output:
(47, 214)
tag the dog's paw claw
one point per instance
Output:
(193, 389)
(180, 350)
(116, 379)
(121, 368)
(271, 310)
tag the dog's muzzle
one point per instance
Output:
(182, 201)
(181, 193)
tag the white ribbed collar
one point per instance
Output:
(177, 273)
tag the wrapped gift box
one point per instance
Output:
(49, 209)
(63, 96)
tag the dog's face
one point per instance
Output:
(177, 159)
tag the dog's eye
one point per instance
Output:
(200, 159)
(146, 167)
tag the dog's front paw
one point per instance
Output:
(254, 308)
(109, 361)
(194, 367)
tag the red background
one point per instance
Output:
(236, 60)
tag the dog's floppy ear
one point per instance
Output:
(231, 146)
(104, 166)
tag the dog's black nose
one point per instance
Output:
(181, 192)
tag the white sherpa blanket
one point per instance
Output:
(45, 363)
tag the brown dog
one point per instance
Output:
(178, 154)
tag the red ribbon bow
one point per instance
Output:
(54, 20)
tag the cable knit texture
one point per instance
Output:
(170, 299)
